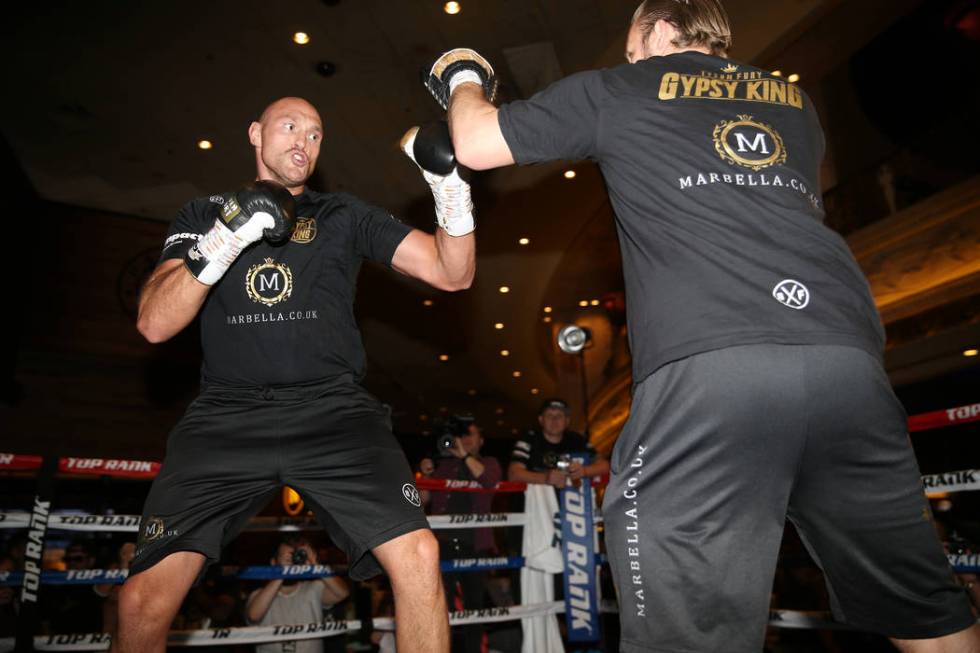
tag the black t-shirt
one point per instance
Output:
(712, 171)
(285, 314)
(531, 449)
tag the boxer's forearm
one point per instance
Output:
(456, 258)
(169, 301)
(476, 134)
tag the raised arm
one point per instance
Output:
(479, 143)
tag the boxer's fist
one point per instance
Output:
(430, 148)
(261, 208)
(458, 67)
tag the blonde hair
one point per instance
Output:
(701, 23)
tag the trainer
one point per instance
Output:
(759, 389)
(271, 269)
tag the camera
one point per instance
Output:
(299, 556)
(454, 427)
(560, 461)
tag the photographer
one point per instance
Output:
(542, 456)
(294, 602)
(460, 459)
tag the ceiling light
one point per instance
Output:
(534, 391)
(499, 411)
(777, 73)
(792, 79)
(301, 38)
(498, 326)
(517, 374)
(500, 422)
(451, 8)
(971, 352)
(443, 357)
(426, 302)
(524, 241)
(584, 303)
(505, 289)
(423, 417)
(471, 392)
(505, 352)
(569, 174)
(547, 309)
(594, 302)
(547, 318)
(514, 431)
(205, 144)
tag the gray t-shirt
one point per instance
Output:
(302, 606)
(712, 171)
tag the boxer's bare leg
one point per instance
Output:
(148, 603)
(421, 618)
(965, 641)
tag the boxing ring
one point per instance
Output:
(577, 522)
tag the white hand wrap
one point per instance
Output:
(464, 77)
(220, 246)
(454, 206)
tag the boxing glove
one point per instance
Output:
(431, 149)
(262, 208)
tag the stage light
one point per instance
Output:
(569, 174)
(301, 38)
(452, 8)
(205, 144)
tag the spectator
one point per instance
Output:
(535, 458)
(462, 461)
(73, 608)
(8, 600)
(294, 602)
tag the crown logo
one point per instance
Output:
(730, 68)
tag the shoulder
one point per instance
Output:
(206, 206)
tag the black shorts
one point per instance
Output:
(720, 449)
(234, 448)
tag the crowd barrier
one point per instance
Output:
(575, 514)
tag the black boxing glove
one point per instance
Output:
(262, 208)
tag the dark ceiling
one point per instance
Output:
(106, 101)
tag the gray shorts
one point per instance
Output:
(720, 449)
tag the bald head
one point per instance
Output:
(287, 139)
(288, 102)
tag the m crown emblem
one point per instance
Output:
(730, 68)
(269, 282)
(749, 143)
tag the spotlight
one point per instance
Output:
(547, 309)
(777, 73)
(516, 374)
(443, 357)
(426, 302)
(524, 241)
(792, 79)
(505, 352)
(498, 326)
(301, 38)
(205, 144)
(504, 289)
(451, 8)
(569, 174)
(969, 353)
(572, 339)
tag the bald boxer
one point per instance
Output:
(759, 390)
(271, 272)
